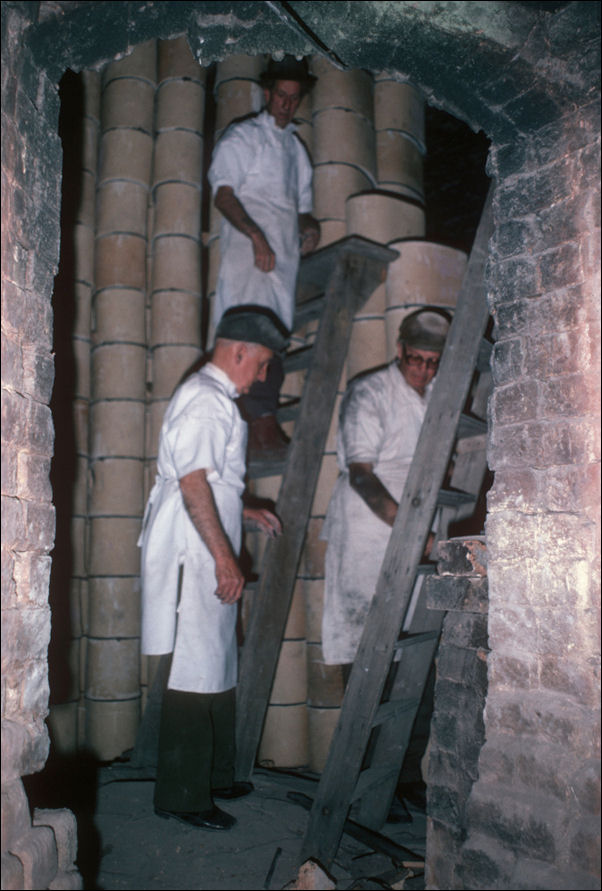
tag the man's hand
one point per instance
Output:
(265, 258)
(368, 486)
(309, 233)
(228, 204)
(262, 520)
(201, 507)
(230, 580)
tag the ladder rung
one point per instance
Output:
(373, 776)
(288, 411)
(411, 639)
(483, 362)
(454, 497)
(471, 426)
(389, 710)
(258, 469)
(297, 359)
(308, 311)
(426, 568)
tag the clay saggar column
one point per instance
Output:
(118, 407)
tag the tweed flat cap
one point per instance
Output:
(425, 329)
(253, 324)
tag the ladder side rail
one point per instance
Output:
(354, 277)
(402, 557)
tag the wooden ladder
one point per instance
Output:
(373, 731)
(334, 283)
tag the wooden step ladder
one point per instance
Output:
(334, 283)
(397, 649)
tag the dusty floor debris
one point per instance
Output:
(135, 849)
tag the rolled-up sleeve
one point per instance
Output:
(230, 161)
(199, 439)
(361, 429)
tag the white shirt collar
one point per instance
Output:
(222, 377)
(267, 121)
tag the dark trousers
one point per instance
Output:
(262, 399)
(196, 749)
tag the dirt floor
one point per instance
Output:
(134, 849)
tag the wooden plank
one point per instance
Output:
(357, 272)
(402, 557)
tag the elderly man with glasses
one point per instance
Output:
(379, 424)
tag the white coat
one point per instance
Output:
(270, 172)
(202, 429)
(379, 423)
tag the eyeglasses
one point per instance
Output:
(414, 361)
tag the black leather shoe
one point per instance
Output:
(214, 819)
(236, 790)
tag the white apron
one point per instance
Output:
(202, 429)
(379, 423)
(269, 170)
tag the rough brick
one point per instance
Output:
(457, 593)
(67, 881)
(515, 402)
(569, 394)
(485, 863)
(40, 526)
(524, 275)
(462, 556)
(516, 489)
(63, 824)
(466, 630)
(13, 522)
(507, 361)
(38, 374)
(37, 853)
(25, 635)
(12, 364)
(12, 873)
(34, 477)
(519, 824)
(41, 429)
(537, 189)
(15, 410)
(560, 267)
(15, 814)
(564, 676)
(32, 577)
(562, 352)
(8, 457)
(534, 714)
(24, 749)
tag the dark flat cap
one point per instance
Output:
(425, 329)
(253, 324)
(287, 68)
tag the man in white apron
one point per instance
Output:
(261, 177)
(379, 424)
(191, 580)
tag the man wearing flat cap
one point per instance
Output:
(191, 580)
(261, 177)
(379, 424)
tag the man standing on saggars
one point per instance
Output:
(261, 177)
(191, 580)
(379, 424)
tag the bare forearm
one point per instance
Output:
(228, 204)
(364, 481)
(202, 510)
